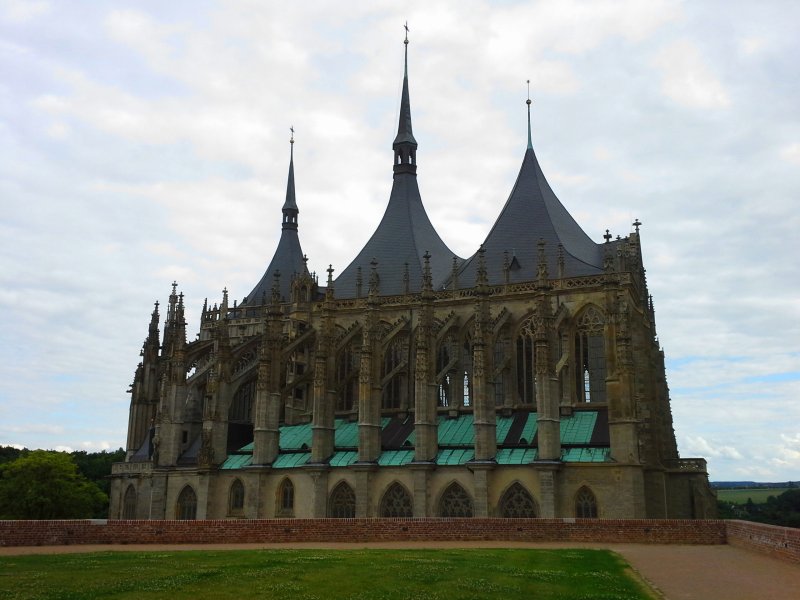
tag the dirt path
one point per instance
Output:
(677, 572)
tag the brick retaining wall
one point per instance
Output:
(778, 542)
(645, 531)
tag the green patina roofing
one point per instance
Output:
(503, 425)
(578, 428)
(295, 437)
(237, 461)
(394, 458)
(294, 459)
(458, 456)
(456, 432)
(516, 456)
(529, 431)
(343, 459)
(346, 434)
(584, 455)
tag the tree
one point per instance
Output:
(96, 466)
(47, 485)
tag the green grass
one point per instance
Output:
(570, 574)
(740, 496)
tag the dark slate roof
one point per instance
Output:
(404, 234)
(288, 257)
(405, 133)
(533, 212)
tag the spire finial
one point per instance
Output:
(291, 142)
(406, 27)
(528, 102)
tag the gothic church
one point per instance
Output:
(524, 381)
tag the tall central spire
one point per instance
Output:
(405, 146)
(290, 210)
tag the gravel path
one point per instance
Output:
(676, 572)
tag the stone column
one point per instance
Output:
(363, 491)
(421, 476)
(480, 474)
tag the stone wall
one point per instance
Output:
(644, 531)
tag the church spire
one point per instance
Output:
(290, 209)
(528, 102)
(405, 146)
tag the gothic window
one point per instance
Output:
(526, 363)
(241, 410)
(590, 357)
(445, 361)
(466, 380)
(236, 498)
(129, 503)
(186, 509)
(342, 503)
(517, 503)
(500, 360)
(585, 504)
(286, 499)
(395, 370)
(396, 502)
(347, 367)
(455, 502)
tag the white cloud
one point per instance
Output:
(688, 79)
(22, 11)
(791, 153)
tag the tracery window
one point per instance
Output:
(241, 410)
(526, 363)
(347, 368)
(395, 372)
(342, 503)
(286, 498)
(517, 503)
(129, 503)
(590, 357)
(585, 504)
(396, 502)
(500, 360)
(236, 497)
(186, 509)
(445, 370)
(455, 502)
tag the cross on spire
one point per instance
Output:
(291, 139)
(636, 224)
(406, 27)
(528, 102)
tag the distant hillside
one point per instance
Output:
(727, 485)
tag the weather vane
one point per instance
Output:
(406, 26)
(291, 140)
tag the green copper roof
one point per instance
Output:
(343, 459)
(237, 461)
(456, 432)
(458, 456)
(585, 455)
(393, 458)
(578, 428)
(295, 437)
(530, 428)
(346, 434)
(295, 459)
(516, 456)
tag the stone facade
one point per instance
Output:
(525, 381)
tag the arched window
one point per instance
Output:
(241, 410)
(347, 368)
(129, 503)
(526, 363)
(585, 504)
(455, 502)
(286, 499)
(590, 357)
(517, 503)
(501, 362)
(342, 503)
(186, 509)
(396, 502)
(236, 498)
(446, 361)
(395, 370)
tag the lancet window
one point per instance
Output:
(241, 410)
(526, 363)
(585, 504)
(342, 503)
(286, 499)
(396, 502)
(186, 508)
(447, 370)
(517, 503)
(129, 503)
(395, 373)
(590, 357)
(455, 502)
(501, 363)
(236, 498)
(347, 368)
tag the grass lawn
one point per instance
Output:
(740, 496)
(449, 574)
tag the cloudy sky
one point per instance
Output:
(145, 142)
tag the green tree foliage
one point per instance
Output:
(96, 466)
(9, 453)
(781, 510)
(47, 485)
